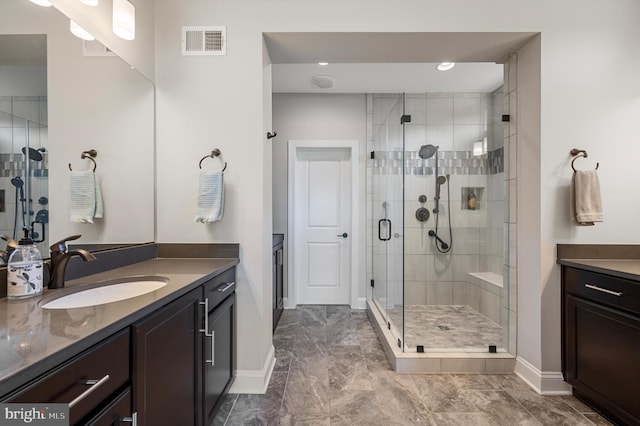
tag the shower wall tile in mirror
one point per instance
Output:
(23, 141)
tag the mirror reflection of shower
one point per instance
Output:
(426, 152)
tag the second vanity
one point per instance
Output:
(165, 357)
(601, 327)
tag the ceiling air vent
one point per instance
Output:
(95, 48)
(203, 41)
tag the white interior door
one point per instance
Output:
(322, 223)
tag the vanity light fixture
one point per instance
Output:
(124, 19)
(90, 2)
(80, 32)
(43, 3)
(445, 66)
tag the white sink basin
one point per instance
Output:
(107, 292)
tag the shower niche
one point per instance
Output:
(471, 198)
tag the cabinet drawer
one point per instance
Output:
(67, 383)
(616, 292)
(217, 289)
(116, 412)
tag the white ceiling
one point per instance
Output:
(390, 62)
(388, 78)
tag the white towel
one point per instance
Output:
(586, 204)
(86, 197)
(210, 199)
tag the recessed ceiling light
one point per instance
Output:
(445, 66)
(323, 64)
(90, 2)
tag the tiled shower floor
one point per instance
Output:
(447, 328)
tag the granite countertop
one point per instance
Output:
(34, 340)
(621, 268)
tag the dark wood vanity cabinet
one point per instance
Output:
(89, 381)
(167, 357)
(219, 341)
(601, 342)
(172, 367)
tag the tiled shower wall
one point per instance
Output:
(454, 122)
(14, 111)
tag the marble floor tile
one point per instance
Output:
(313, 314)
(549, 410)
(441, 395)
(348, 369)
(461, 419)
(351, 408)
(476, 381)
(501, 407)
(260, 409)
(307, 392)
(576, 404)
(597, 419)
(352, 383)
(224, 410)
(310, 341)
(399, 398)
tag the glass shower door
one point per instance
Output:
(388, 214)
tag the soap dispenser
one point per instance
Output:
(24, 270)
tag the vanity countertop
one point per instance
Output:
(34, 340)
(621, 268)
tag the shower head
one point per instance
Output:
(427, 151)
(34, 154)
(17, 182)
(441, 180)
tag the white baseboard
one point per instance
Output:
(255, 381)
(361, 303)
(543, 382)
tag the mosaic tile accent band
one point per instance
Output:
(13, 165)
(449, 162)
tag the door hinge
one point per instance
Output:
(373, 283)
(373, 155)
(506, 117)
(399, 343)
(388, 325)
(405, 119)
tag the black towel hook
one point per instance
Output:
(90, 155)
(215, 153)
(578, 153)
(271, 135)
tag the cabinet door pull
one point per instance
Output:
(604, 290)
(95, 384)
(227, 287)
(133, 419)
(213, 349)
(205, 330)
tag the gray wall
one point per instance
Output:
(315, 117)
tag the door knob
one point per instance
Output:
(343, 235)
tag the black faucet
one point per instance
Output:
(60, 256)
(11, 246)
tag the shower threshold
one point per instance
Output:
(437, 361)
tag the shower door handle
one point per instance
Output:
(380, 230)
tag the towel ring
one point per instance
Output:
(215, 153)
(89, 155)
(579, 153)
